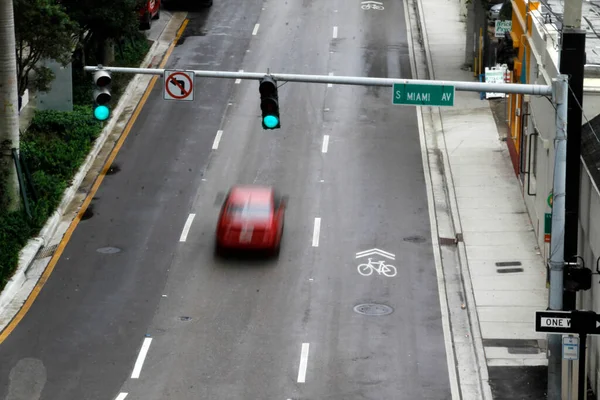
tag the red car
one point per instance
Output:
(251, 217)
(148, 10)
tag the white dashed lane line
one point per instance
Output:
(316, 232)
(121, 396)
(186, 227)
(217, 140)
(303, 363)
(238, 81)
(255, 30)
(325, 144)
(335, 32)
(139, 363)
(330, 84)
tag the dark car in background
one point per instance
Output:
(187, 5)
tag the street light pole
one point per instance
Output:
(560, 92)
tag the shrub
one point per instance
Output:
(14, 233)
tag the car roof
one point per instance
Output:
(250, 194)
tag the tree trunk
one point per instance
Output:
(108, 56)
(9, 101)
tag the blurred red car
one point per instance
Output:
(251, 217)
(148, 10)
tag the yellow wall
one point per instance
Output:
(521, 24)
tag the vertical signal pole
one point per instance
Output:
(9, 101)
(572, 61)
(560, 91)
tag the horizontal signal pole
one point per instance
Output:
(517, 88)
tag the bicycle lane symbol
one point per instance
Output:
(367, 269)
(371, 5)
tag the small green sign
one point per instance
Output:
(547, 227)
(550, 198)
(423, 95)
(548, 223)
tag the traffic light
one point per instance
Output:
(102, 95)
(269, 103)
(577, 278)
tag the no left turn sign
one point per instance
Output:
(179, 85)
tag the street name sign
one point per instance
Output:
(423, 95)
(580, 322)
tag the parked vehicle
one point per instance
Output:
(494, 12)
(148, 10)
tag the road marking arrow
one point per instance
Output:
(376, 251)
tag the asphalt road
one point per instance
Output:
(243, 328)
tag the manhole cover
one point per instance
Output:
(373, 309)
(108, 250)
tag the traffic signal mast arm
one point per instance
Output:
(518, 88)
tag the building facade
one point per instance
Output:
(532, 129)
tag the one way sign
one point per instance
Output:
(581, 322)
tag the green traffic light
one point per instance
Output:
(271, 121)
(101, 113)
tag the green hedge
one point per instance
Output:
(54, 147)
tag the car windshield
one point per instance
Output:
(249, 210)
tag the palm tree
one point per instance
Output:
(9, 104)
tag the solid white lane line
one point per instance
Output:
(186, 227)
(303, 363)
(335, 32)
(255, 30)
(316, 232)
(217, 139)
(121, 396)
(330, 84)
(137, 368)
(325, 143)
(238, 81)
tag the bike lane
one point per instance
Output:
(374, 332)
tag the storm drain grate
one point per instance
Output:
(414, 239)
(46, 252)
(504, 264)
(373, 309)
(508, 264)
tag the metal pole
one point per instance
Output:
(582, 381)
(539, 90)
(570, 380)
(572, 61)
(9, 98)
(560, 93)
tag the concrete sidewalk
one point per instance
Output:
(505, 268)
